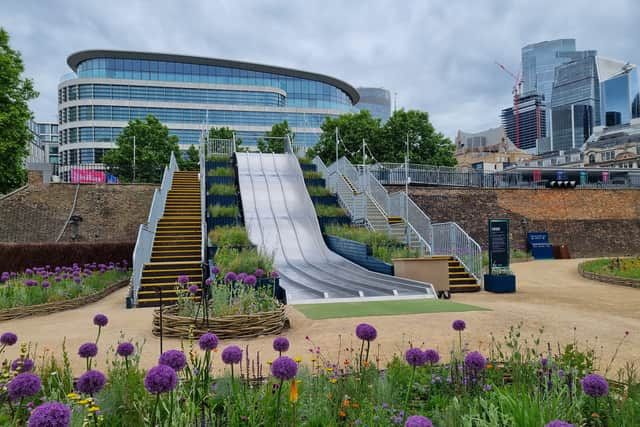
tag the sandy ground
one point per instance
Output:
(550, 294)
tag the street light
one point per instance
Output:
(406, 192)
(134, 158)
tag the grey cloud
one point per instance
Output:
(437, 55)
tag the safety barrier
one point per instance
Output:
(450, 239)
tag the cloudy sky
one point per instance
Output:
(438, 56)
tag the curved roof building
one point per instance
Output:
(108, 88)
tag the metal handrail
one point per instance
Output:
(451, 239)
(202, 176)
(147, 232)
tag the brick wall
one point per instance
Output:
(109, 212)
(590, 222)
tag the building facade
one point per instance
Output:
(588, 92)
(539, 61)
(377, 101)
(489, 150)
(617, 146)
(532, 121)
(186, 93)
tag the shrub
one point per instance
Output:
(316, 190)
(229, 236)
(382, 246)
(219, 210)
(219, 158)
(221, 172)
(222, 190)
(329, 210)
(249, 259)
(312, 175)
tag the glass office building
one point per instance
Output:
(591, 91)
(109, 88)
(539, 61)
(531, 122)
(377, 101)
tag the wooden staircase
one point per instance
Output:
(460, 280)
(177, 245)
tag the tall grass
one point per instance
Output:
(382, 246)
(222, 190)
(329, 210)
(219, 210)
(620, 267)
(316, 190)
(221, 172)
(244, 260)
(229, 236)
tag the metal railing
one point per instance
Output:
(450, 239)
(401, 205)
(202, 176)
(394, 174)
(219, 146)
(147, 232)
(292, 147)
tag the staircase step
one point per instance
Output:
(197, 273)
(174, 258)
(172, 265)
(167, 280)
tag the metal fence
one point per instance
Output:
(218, 146)
(395, 174)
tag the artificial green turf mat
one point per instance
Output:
(382, 308)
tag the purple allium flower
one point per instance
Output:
(193, 289)
(4, 277)
(208, 282)
(432, 356)
(125, 349)
(230, 277)
(160, 379)
(77, 280)
(561, 373)
(22, 365)
(366, 332)
(487, 387)
(250, 280)
(458, 325)
(231, 355)
(88, 349)
(216, 269)
(418, 421)
(208, 341)
(45, 284)
(50, 414)
(275, 274)
(91, 382)
(183, 279)
(175, 359)
(242, 276)
(474, 360)
(259, 272)
(284, 368)
(8, 338)
(28, 272)
(415, 357)
(595, 386)
(281, 344)
(57, 279)
(100, 320)
(558, 423)
(544, 362)
(65, 276)
(24, 385)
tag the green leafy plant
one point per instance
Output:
(219, 158)
(221, 172)
(222, 190)
(316, 190)
(219, 210)
(229, 236)
(248, 259)
(329, 210)
(311, 175)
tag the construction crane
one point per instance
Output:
(517, 90)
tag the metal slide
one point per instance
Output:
(280, 218)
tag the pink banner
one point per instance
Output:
(84, 176)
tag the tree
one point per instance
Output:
(274, 138)
(352, 128)
(154, 146)
(191, 162)
(426, 146)
(15, 93)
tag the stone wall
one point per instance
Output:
(590, 222)
(38, 212)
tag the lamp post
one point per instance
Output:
(134, 159)
(406, 192)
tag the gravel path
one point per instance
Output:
(550, 294)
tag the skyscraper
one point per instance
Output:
(591, 91)
(377, 101)
(539, 61)
(531, 122)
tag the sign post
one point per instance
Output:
(499, 253)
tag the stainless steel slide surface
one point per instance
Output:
(280, 219)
